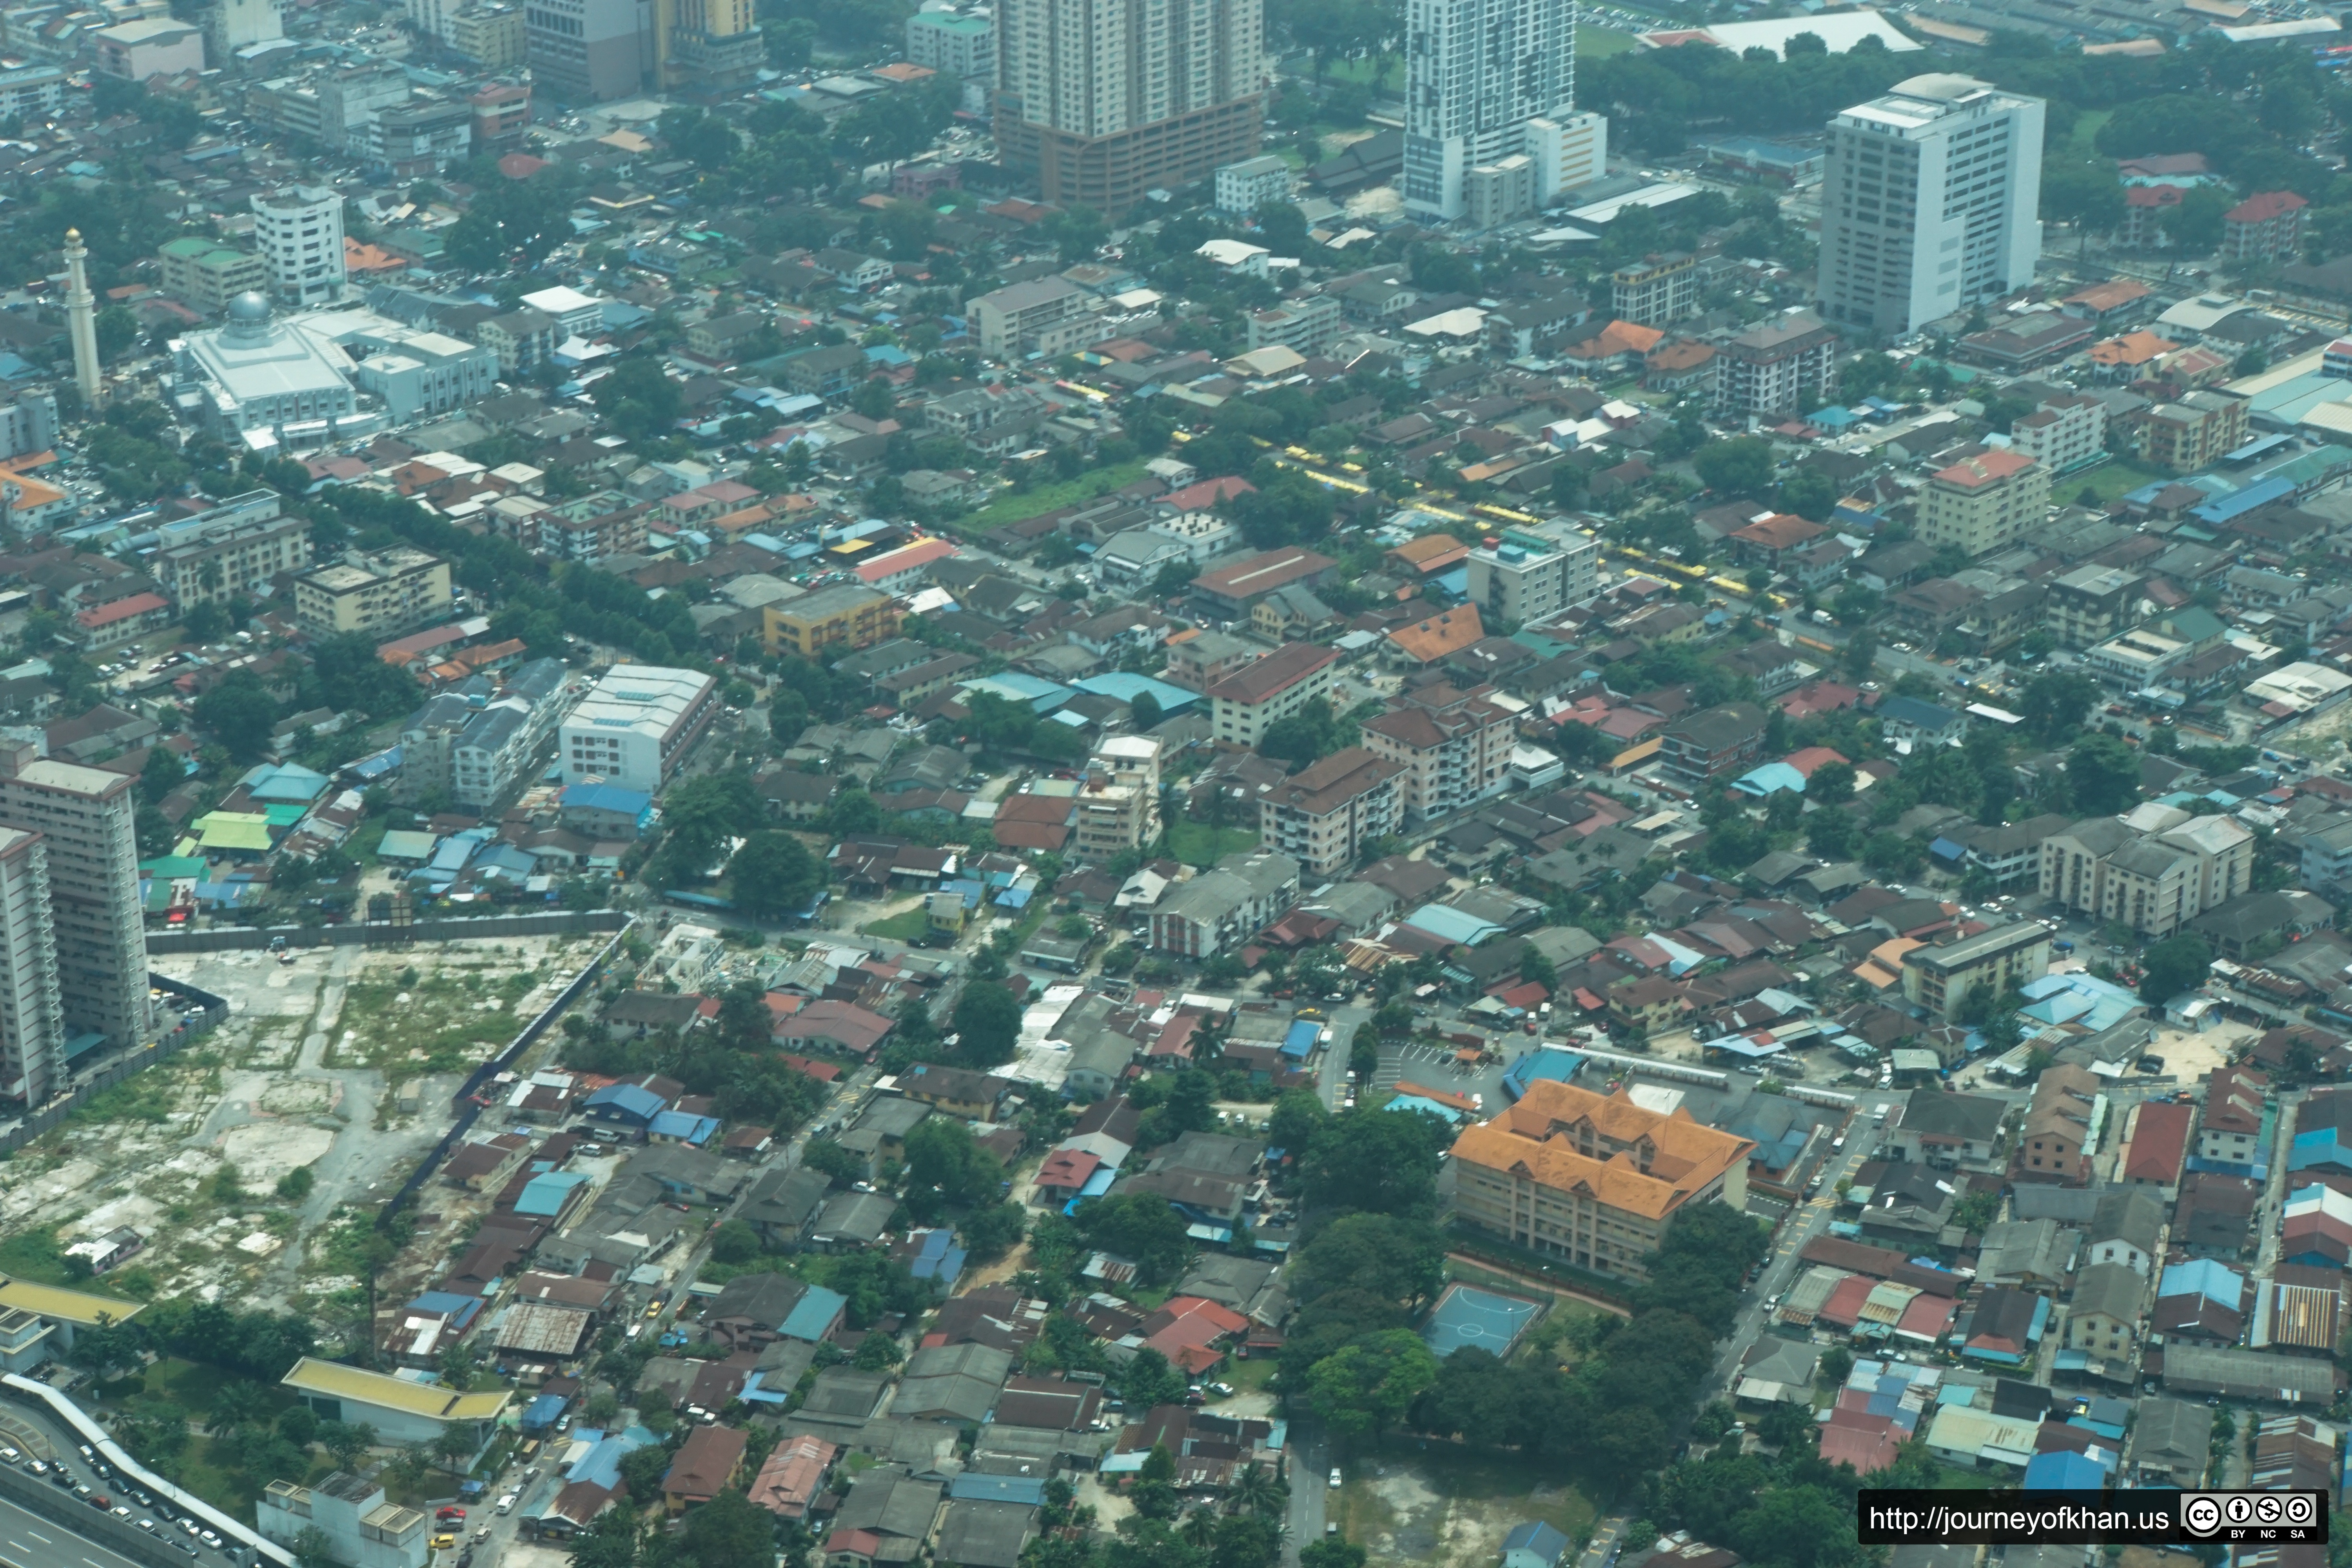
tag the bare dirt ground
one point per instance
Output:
(1437, 1506)
(306, 1074)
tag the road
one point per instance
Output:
(1803, 1224)
(1310, 1491)
(39, 1542)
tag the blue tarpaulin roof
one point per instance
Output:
(1549, 1065)
(2062, 1471)
(1770, 779)
(813, 1317)
(1300, 1041)
(545, 1195)
(632, 1101)
(543, 1411)
(602, 1463)
(1029, 1491)
(684, 1126)
(1452, 924)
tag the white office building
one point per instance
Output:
(1487, 81)
(635, 725)
(1245, 187)
(958, 39)
(1930, 198)
(299, 232)
(1528, 575)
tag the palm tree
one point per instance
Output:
(455, 1445)
(236, 1406)
(1199, 1528)
(1256, 1490)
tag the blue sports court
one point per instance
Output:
(1467, 1316)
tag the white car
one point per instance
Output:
(1336, 1481)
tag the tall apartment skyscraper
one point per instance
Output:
(1930, 198)
(32, 1019)
(1101, 101)
(299, 232)
(84, 819)
(1491, 128)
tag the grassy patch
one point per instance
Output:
(907, 925)
(1019, 506)
(35, 1254)
(1251, 1376)
(1198, 844)
(1600, 43)
(143, 1096)
(435, 1024)
(2078, 141)
(2108, 480)
(362, 846)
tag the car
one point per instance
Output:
(505, 1503)
(481, 1535)
(447, 1512)
(146, 1524)
(1221, 1390)
(444, 1543)
(79, 1490)
(120, 1511)
(208, 1538)
(654, 1306)
(11, 1455)
(1337, 1479)
(38, 1468)
(144, 1501)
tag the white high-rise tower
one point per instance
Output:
(81, 321)
(1930, 198)
(1491, 125)
(299, 231)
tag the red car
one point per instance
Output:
(450, 1513)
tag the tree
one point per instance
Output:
(238, 712)
(314, 1548)
(2054, 703)
(1333, 1552)
(945, 1166)
(1741, 465)
(1809, 493)
(2196, 224)
(1381, 1164)
(840, 1164)
(163, 772)
(1364, 1051)
(730, 1530)
(1148, 1379)
(1395, 1259)
(987, 1024)
(774, 874)
(1297, 1116)
(346, 1441)
(296, 1185)
(1831, 784)
(1837, 1363)
(2173, 966)
(1138, 1225)
(1367, 1387)
(2102, 776)
(734, 1242)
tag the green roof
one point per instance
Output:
(173, 865)
(232, 830)
(286, 813)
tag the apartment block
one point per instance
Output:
(84, 817)
(1931, 199)
(960, 41)
(1525, 575)
(2091, 604)
(2265, 226)
(2194, 432)
(1217, 910)
(1303, 325)
(1714, 744)
(206, 275)
(1007, 320)
(1324, 815)
(1773, 368)
(1118, 804)
(1655, 291)
(1245, 187)
(1592, 1180)
(300, 232)
(32, 1013)
(1247, 703)
(1941, 979)
(2064, 434)
(2154, 871)
(840, 618)
(1984, 503)
(378, 595)
(1453, 747)
(634, 726)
